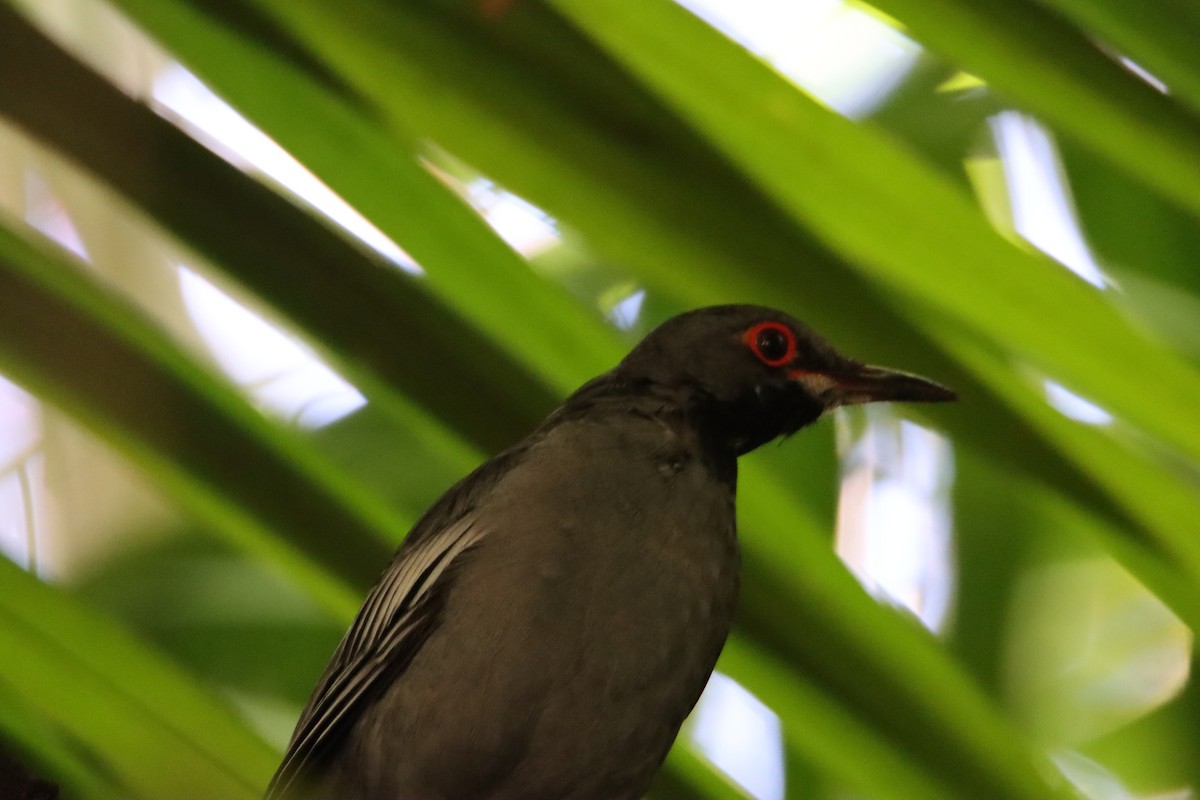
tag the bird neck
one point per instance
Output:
(687, 408)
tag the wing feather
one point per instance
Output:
(388, 631)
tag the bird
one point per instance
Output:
(548, 624)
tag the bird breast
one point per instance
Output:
(582, 628)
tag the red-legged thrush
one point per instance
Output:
(550, 621)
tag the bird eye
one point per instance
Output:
(772, 342)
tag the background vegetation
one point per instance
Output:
(193, 572)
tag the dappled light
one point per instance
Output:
(840, 52)
(211, 120)
(894, 527)
(1041, 203)
(1076, 407)
(527, 228)
(278, 371)
(22, 485)
(741, 737)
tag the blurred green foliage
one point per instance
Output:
(673, 162)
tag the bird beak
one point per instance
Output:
(856, 384)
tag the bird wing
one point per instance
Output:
(386, 634)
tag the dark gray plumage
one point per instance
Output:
(550, 621)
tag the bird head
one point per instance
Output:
(753, 373)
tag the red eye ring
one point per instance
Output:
(767, 339)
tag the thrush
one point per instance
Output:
(550, 621)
